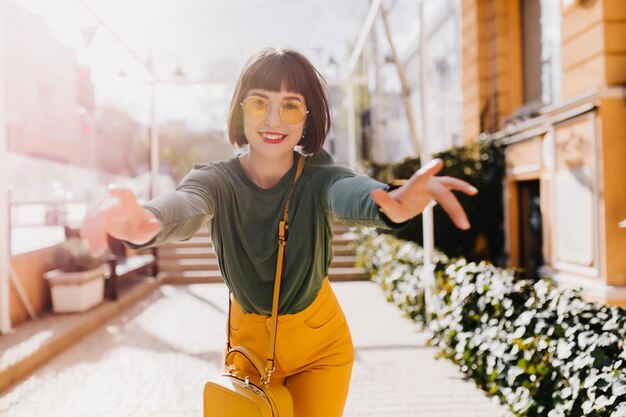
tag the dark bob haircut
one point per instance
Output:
(272, 68)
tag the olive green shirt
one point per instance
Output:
(243, 218)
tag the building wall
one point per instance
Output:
(392, 141)
(574, 146)
(49, 97)
(576, 180)
(475, 63)
(594, 50)
(50, 108)
(120, 143)
(612, 114)
(504, 59)
(492, 87)
(491, 64)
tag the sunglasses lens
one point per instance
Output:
(292, 112)
(256, 108)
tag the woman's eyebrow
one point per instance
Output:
(255, 93)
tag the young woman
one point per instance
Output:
(279, 104)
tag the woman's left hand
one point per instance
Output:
(420, 190)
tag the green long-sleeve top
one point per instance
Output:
(243, 218)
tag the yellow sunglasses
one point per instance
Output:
(257, 108)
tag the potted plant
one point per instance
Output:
(77, 283)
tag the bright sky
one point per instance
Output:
(207, 39)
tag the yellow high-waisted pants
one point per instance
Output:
(314, 353)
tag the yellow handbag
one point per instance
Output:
(237, 394)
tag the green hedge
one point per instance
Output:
(482, 165)
(542, 350)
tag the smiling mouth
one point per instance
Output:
(272, 137)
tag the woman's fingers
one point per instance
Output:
(93, 229)
(410, 200)
(392, 207)
(384, 200)
(148, 230)
(458, 185)
(425, 173)
(431, 168)
(398, 213)
(119, 213)
(451, 205)
(124, 194)
(127, 201)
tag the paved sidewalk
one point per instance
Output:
(153, 359)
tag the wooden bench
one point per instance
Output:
(120, 265)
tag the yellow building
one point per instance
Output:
(549, 77)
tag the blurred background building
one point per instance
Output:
(51, 111)
(442, 21)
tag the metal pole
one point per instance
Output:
(425, 158)
(5, 310)
(365, 30)
(154, 141)
(379, 108)
(351, 127)
(352, 63)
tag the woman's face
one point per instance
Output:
(273, 122)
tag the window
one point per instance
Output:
(541, 51)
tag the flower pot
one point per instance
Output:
(74, 292)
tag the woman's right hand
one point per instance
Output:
(122, 217)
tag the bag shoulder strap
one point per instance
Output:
(283, 232)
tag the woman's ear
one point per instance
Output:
(303, 134)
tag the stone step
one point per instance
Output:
(211, 264)
(194, 242)
(191, 277)
(177, 277)
(186, 252)
(343, 261)
(344, 250)
(347, 274)
(187, 264)
(337, 225)
(341, 240)
(202, 248)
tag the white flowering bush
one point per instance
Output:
(542, 350)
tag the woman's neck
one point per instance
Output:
(265, 172)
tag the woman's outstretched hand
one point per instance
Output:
(122, 217)
(420, 190)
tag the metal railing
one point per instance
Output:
(39, 224)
